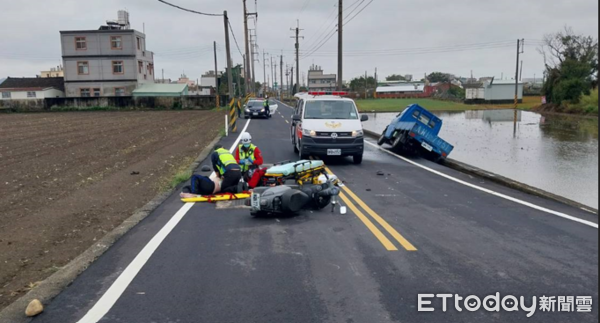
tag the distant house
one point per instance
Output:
(163, 90)
(405, 90)
(317, 81)
(495, 91)
(29, 88)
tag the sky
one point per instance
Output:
(392, 36)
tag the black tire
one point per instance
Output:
(357, 159)
(382, 139)
(301, 154)
(398, 142)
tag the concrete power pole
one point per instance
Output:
(272, 79)
(340, 43)
(520, 43)
(281, 76)
(216, 77)
(297, 55)
(275, 75)
(245, 75)
(248, 66)
(228, 50)
(292, 81)
(264, 74)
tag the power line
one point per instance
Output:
(361, 10)
(235, 40)
(348, 15)
(192, 11)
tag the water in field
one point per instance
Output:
(555, 153)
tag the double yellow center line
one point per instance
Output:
(389, 245)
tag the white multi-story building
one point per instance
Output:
(111, 61)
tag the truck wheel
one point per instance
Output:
(398, 142)
(382, 138)
(357, 159)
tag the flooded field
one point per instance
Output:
(556, 153)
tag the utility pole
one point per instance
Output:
(521, 72)
(272, 79)
(216, 76)
(275, 75)
(520, 43)
(264, 74)
(298, 54)
(281, 77)
(340, 42)
(245, 75)
(292, 82)
(163, 76)
(247, 59)
(287, 76)
(239, 83)
(228, 51)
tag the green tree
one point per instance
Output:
(238, 88)
(436, 77)
(395, 77)
(571, 65)
(358, 84)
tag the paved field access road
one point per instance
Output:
(410, 231)
(65, 180)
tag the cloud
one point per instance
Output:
(390, 35)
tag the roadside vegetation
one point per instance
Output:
(571, 67)
(397, 105)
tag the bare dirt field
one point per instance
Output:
(66, 179)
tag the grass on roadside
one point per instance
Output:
(179, 174)
(397, 105)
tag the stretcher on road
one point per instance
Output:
(302, 172)
(215, 198)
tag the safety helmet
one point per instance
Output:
(246, 138)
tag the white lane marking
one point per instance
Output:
(531, 205)
(114, 292)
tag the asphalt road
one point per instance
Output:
(408, 232)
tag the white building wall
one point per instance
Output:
(22, 95)
(502, 92)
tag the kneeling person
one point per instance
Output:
(227, 169)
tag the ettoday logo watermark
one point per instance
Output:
(508, 303)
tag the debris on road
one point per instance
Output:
(135, 173)
(34, 308)
(205, 168)
(380, 173)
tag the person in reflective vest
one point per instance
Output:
(267, 106)
(246, 154)
(226, 168)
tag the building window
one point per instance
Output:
(96, 92)
(140, 66)
(119, 91)
(150, 68)
(117, 67)
(83, 68)
(84, 93)
(31, 94)
(139, 43)
(80, 43)
(6, 95)
(116, 42)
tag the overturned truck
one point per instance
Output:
(416, 130)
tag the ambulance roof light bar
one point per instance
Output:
(336, 93)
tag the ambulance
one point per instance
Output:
(327, 124)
